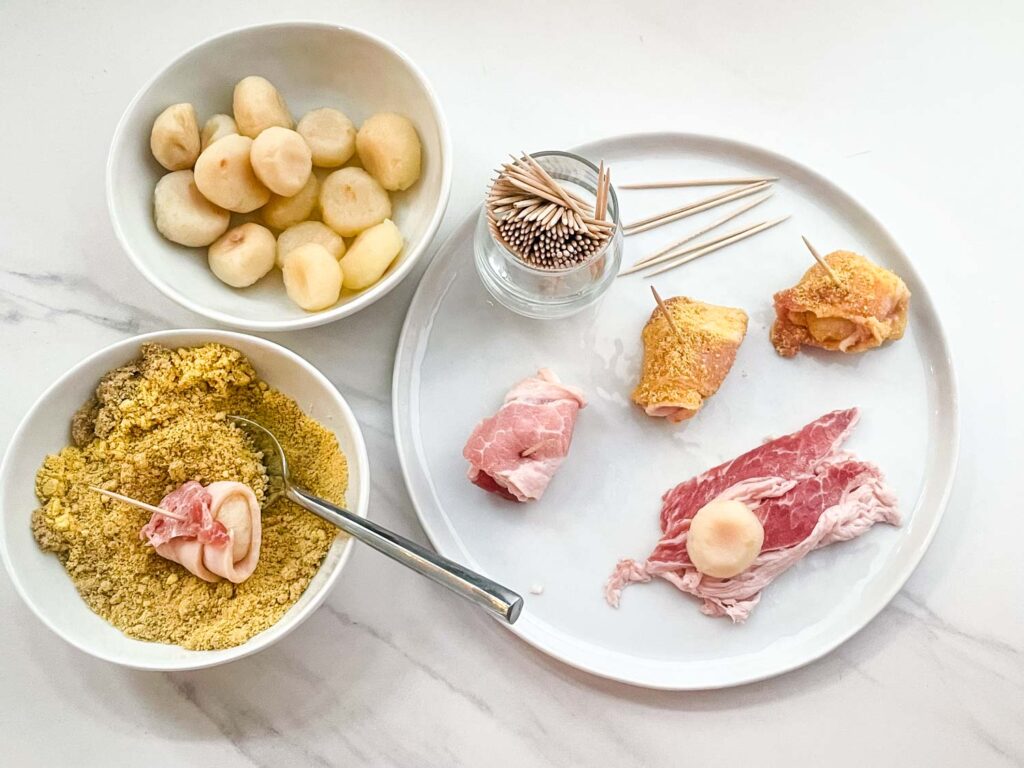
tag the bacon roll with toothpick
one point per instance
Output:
(852, 306)
(214, 532)
(687, 355)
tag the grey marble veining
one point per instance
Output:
(393, 670)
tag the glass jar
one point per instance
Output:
(551, 293)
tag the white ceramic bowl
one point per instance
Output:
(313, 65)
(39, 577)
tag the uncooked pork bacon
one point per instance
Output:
(516, 452)
(807, 494)
(788, 457)
(191, 516)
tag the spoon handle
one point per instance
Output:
(502, 602)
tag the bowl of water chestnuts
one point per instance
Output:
(280, 176)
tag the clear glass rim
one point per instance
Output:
(594, 256)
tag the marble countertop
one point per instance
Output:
(918, 110)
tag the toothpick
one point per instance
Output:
(604, 195)
(695, 247)
(711, 248)
(554, 185)
(693, 235)
(137, 503)
(693, 208)
(820, 260)
(668, 316)
(681, 208)
(599, 192)
(533, 190)
(698, 183)
(520, 165)
(528, 174)
(545, 224)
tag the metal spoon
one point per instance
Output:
(500, 601)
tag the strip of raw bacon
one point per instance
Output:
(787, 457)
(193, 517)
(818, 497)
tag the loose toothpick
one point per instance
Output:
(685, 207)
(137, 503)
(824, 264)
(668, 249)
(711, 248)
(698, 183)
(690, 209)
(689, 249)
(668, 315)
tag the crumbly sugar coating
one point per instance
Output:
(152, 425)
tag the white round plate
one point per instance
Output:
(460, 351)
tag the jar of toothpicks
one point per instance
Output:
(549, 240)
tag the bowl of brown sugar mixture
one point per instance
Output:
(141, 418)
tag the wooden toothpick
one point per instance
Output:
(820, 260)
(553, 185)
(715, 246)
(669, 249)
(604, 176)
(137, 503)
(690, 209)
(701, 246)
(697, 183)
(668, 316)
(546, 225)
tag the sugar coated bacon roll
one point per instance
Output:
(867, 307)
(680, 371)
(516, 452)
(214, 532)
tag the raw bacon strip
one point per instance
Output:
(764, 495)
(516, 452)
(190, 506)
(787, 457)
(855, 498)
(828, 496)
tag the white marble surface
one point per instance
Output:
(915, 108)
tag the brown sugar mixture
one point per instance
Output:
(152, 425)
